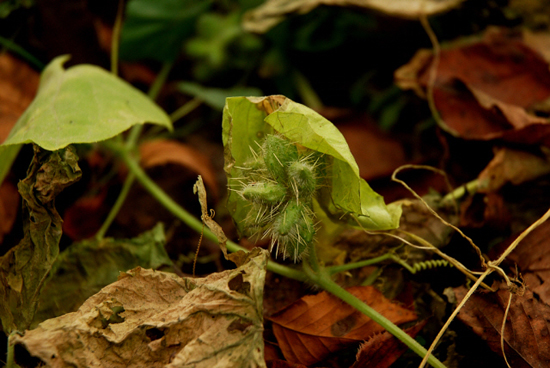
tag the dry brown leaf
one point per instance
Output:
(156, 319)
(533, 260)
(272, 12)
(18, 85)
(527, 333)
(162, 151)
(317, 325)
(513, 166)
(485, 88)
(9, 206)
(383, 349)
(377, 154)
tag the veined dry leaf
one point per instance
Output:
(513, 166)
(533, 260)
(383, 349)
(164, 151)
(315, 326)
(24, 268)
(272, 12)
(527, 331)
(155, 319)
(485, 88)
(85, 267)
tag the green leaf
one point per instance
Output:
(344, 195)
(156, 29)
(83, 104)
(215, 97)
(24, 267)
(87, 266)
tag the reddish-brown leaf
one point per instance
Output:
(383, 349)
(527, 332)
(484, 89)
(9, 206)
(317, 325)
(162, 152)
(18, 85)
(533, 260)
(513, 166)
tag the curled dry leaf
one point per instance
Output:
(87, 266)
(485, 88)
(24, 267)
(163, 151)
(317, 325)
(527, 333)
(156, 319)
(272, 12)
(514, 167)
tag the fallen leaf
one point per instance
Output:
(18, 85)
(84, 268)
(485, 88)
(526, 336)
(272, 12)
(533, 260)
(383, 349)
(84, 218)
(377, 154)
(315, 326)
(9, 206)
(513, 166)
(155, 319)
(24, 267)
(162, 151)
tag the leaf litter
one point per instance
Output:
(157, 319)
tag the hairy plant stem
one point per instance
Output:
(321, 277)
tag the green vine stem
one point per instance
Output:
(313, 272)
(324, 280)
(10, 359)
(178, 211)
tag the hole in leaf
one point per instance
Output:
(239, 325)
(343, 326)
(154, 333)
(238, 284)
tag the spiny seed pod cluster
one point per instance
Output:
(279, 183)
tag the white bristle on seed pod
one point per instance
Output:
(279, 184)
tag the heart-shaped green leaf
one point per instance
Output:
(83, 104)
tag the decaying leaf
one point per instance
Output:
(533, 260)
(24, 268)
(315, 326)
(162, 151)
(155, 319)
(273, 12)
(206, 217)
(85, 267)
(383, 349)
(485, 88)
(514, 167)
(527, 331)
